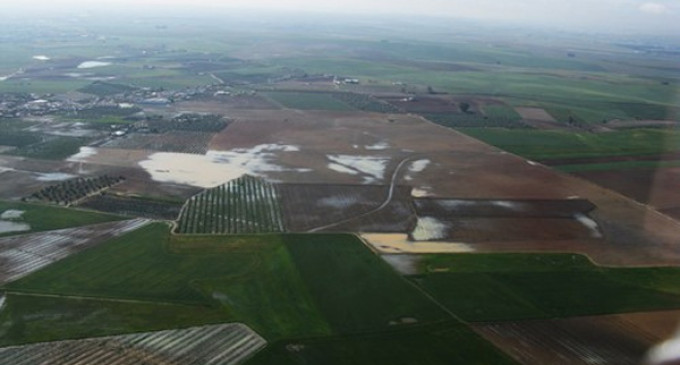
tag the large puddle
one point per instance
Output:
(216, 167)
(93, 64)
(8, 227)
(429, 229)
(372, 168)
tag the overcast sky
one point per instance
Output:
(648, 16)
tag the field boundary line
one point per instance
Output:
(412, 284)
(93, 298)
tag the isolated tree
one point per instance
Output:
(464, 107)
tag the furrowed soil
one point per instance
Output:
(612, 339)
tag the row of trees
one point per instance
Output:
(70, 191)
(245, 205)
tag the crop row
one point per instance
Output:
(224, 344)
(70, 191)
(245, 205)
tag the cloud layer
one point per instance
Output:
(656, 16)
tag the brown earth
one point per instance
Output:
(507, 230)
(612, 339)
(656, 187)
(327, 204)
(459, 167)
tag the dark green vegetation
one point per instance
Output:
(98, 114)
(36, 318)
(622, 165)
(308, 100)
(52, 148)
(244, 205)
(440, 344)
(69, 191)
(134, 206)
(501, 112)
(188, 122)
(269, 282)
(546, 145)
(476, 120)
(491, 287)
(105, 88)
(10, 136)
(45, 218)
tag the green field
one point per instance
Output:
(52, 148)
(105, 88)
(623, 165)
(491, 287)
(440, 344)
(28, 318)
(455, 120)
(283, 286)
(501, 111)
(46, 218)
(307, 100)
(545, 145)
(354, 289)
(244, 205)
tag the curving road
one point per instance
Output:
(388, 199)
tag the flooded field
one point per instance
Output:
(215, 167)
(22, 255)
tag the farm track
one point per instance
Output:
(224, 344)
(22, 255)
(385, 203)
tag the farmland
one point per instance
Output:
(25, 254)
(305, 100)
(343, 207)
(547, 145)
(133, 206)
(569, 341)
(268, 282)
(218, 345)
(348, 189)
(44, 218)
(71, 191)
(172, 141)
(525, 286)
(245, 205)
(423, 345)
(51, 148)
